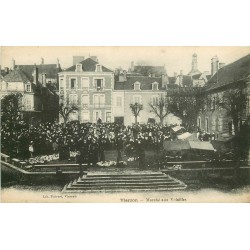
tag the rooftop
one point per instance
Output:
(146, 83)
(88, 65)
(238, 70)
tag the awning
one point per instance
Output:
(184, 136)
(187, 145)
(177, 128)
(201, 145)
(176, 145)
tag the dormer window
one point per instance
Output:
(155, 86)
(98, 68)
(78, 68)
(28, 87)
(137, 86)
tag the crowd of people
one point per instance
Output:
(90, 140)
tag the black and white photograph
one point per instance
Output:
(125, 124)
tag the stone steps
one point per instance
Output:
(124, 182)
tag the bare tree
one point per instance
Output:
(160, 108)
(234, 102)
(65, 111)
(136, 109)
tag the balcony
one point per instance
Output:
(85, 106)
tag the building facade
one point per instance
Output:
(137, 89)
(88, 85)
(18, 82)
(38, 102)
(215, 119)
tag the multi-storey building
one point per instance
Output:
(47, 73)
(215, 119)
(38, 102)
(88, 85)
(137, 89)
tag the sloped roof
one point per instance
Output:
(208, 77)
(196, 77)
(146, 70)
(50, 70)
(88, 65)
(230, 73)
(17, 75)
(146, 83)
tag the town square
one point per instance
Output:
(88, 127)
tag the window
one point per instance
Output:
(78, 68)
(137, 86)
(85, 83)
(99, 101)
(199, 122)
(206, 125)
(73, 83)
(98, 68)
(85, 116)
(27, 103)
(220, 124)
(28, 88)
(155, 86)
(213, 124)
(85, 101)
(155, 100)
(73, 99)
(96, 115)
(118, 101)
(108, 116)
(99, 84)
(61, 82)
(213, 102)
(137, 99)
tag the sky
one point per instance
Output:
(174, 58)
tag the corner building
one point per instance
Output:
(88, 85)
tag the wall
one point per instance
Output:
(146, 97)
(108, 80)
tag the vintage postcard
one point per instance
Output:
(125, 124)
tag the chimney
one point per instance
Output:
(221, 65)
(57, 63)
(164, 80)
(214, 65)
(13, 64)
(132, 66)
(181, 73)
(42, 60)
(6, 70)
(44, 80)
(175, 75)
(35, 74)
(125, 75)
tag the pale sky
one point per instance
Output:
(174, 58)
